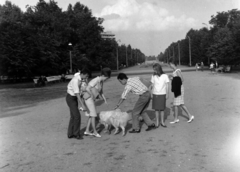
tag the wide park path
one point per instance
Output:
(34, 121)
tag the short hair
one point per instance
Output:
(106, 72)
(122, 76)
(158, 69)
(85, 71)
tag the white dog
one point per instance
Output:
(117, 118)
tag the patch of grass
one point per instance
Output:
(17, 97)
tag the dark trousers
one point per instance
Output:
(139, 109)
(75, 116)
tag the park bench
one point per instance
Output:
(53, 79)
(227, 69)
(50, 79)
(220, 69)
(35, 82)
(69, 77)
(223, 69)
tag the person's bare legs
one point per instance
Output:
(88, 125)
(157, 117)
(175, 115)
(190, 117)
(95, 133)
(162, 118)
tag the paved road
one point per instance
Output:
(140, 70)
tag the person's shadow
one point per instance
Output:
(99, 102)
(152, 116)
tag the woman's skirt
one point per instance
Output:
(180, 99)
(91, 108)
(159, 102)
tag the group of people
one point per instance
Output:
(81, 95)
(213, 66)
(199, 66)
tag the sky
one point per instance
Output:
(149, 25)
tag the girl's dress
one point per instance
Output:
(89, 102)
(180, 99)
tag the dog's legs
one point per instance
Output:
(109, 129)
(106, 128)
(116, 130)
(123, 130)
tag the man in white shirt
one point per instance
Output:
(74, 102)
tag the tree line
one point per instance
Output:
(36, 42)
(219, 41)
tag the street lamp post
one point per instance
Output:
(168, 56)
(117, 55)
(126, 58)
(70, 45)
(131, 54)
(137, 57)
(208, 29)
(173, 54)
(179, 56)
(190, 63)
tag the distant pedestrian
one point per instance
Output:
(159, 94)
(212, 67)
(178, 90)
(74, 102)
(197, 66)
(202, 66)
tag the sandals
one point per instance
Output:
(175, 121)
(96, 135)
(92, 134)
(191, 119)
(88, 134)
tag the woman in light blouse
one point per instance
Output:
(96, 89)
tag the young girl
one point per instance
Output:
(179, 100)
(95, 87)
(159, 94)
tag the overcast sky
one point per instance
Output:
(149, 25)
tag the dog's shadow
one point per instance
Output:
(99, 102)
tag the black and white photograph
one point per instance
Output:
(119, 86)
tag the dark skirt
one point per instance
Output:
(159, 102)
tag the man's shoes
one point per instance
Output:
(78, 137)
(70, 136)
(151, 127)
(134, 131)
